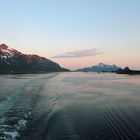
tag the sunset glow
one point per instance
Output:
(56, 28)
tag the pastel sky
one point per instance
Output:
(74, 33)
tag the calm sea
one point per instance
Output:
(70, 106)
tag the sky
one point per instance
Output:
(74, 33)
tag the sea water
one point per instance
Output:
(70, 106)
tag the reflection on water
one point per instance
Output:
(70, 106)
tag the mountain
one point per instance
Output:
(13, 61)
(100, 68)
(126, 70)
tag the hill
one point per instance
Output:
(13, 61)
(100, 68)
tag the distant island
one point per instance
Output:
(13, 61)
(101, 67)
(126, 70)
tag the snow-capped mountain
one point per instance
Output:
(13, 61)
(100, 68)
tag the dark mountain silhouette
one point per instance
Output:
(100, 68)
(126, 70)
(13, 61)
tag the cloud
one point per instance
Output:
(80, 53)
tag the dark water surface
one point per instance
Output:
(70, 106)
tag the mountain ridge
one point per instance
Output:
(13, 61)
(127, 70)
(101, 67)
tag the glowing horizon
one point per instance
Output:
(74, 33)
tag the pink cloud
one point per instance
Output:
(80, 53)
